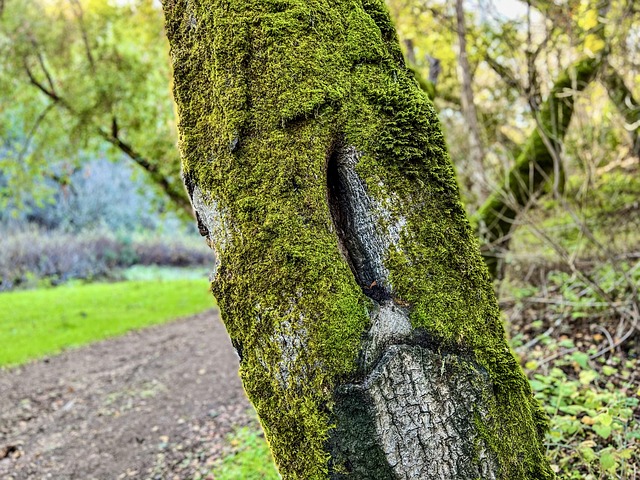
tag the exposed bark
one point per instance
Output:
(537, 163)
(476, 148)
(626, 104)
(349, 280)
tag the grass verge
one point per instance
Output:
(249, 457)
(35, 323)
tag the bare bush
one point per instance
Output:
(32, 254)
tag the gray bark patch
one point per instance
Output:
(415, 416)
(426, 406)
(291, 338)
(389, 324)
(356, 218)
(210, 222)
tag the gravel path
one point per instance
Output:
(153, 404)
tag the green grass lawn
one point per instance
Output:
(34, 323)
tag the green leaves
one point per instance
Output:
(580, 358)
(79, 80)
(607, 461)
(587, 376)
(603, 430)
(588, 410)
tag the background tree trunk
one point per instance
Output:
(349, 279)
(627, 106)
(476, 148)
(536, 164)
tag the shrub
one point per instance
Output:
(174, 253)
(33, 255)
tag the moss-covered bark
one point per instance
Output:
(534, 165)
(349, 280)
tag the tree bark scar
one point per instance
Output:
(237, 345)
(356, 222)
(411, 398)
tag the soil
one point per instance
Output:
(153, 404)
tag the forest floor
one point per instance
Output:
(153, 404)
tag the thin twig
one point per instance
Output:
(606, 334)
(537, 339)
(630, 332)
(34, 129)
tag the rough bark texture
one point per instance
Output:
(535, 165)
(349, 279)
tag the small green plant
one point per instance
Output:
(593, 407)
(248, 457)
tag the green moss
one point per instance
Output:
(265, 90)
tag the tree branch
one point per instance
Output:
(79, 13)
(175, 192)
(537, 162)
(34, 129)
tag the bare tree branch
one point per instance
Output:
(79, 13)
(537, 162)
(34, 129)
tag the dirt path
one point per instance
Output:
(153, 404)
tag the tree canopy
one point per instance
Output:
(85, 78)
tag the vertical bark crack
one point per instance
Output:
(354, 217)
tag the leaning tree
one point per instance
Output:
(349, 280)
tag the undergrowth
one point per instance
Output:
(248, 457)
(577, 336)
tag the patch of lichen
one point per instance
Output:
(265, 89)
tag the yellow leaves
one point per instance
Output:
(587, 420)
(593, 44)
(588, 19)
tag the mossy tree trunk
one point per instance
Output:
(537, 164)
(349, 280)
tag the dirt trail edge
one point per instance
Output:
(153, 404)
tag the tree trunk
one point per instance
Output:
(535, 165)
(475, 162)
(627, 106)
(349, 280)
